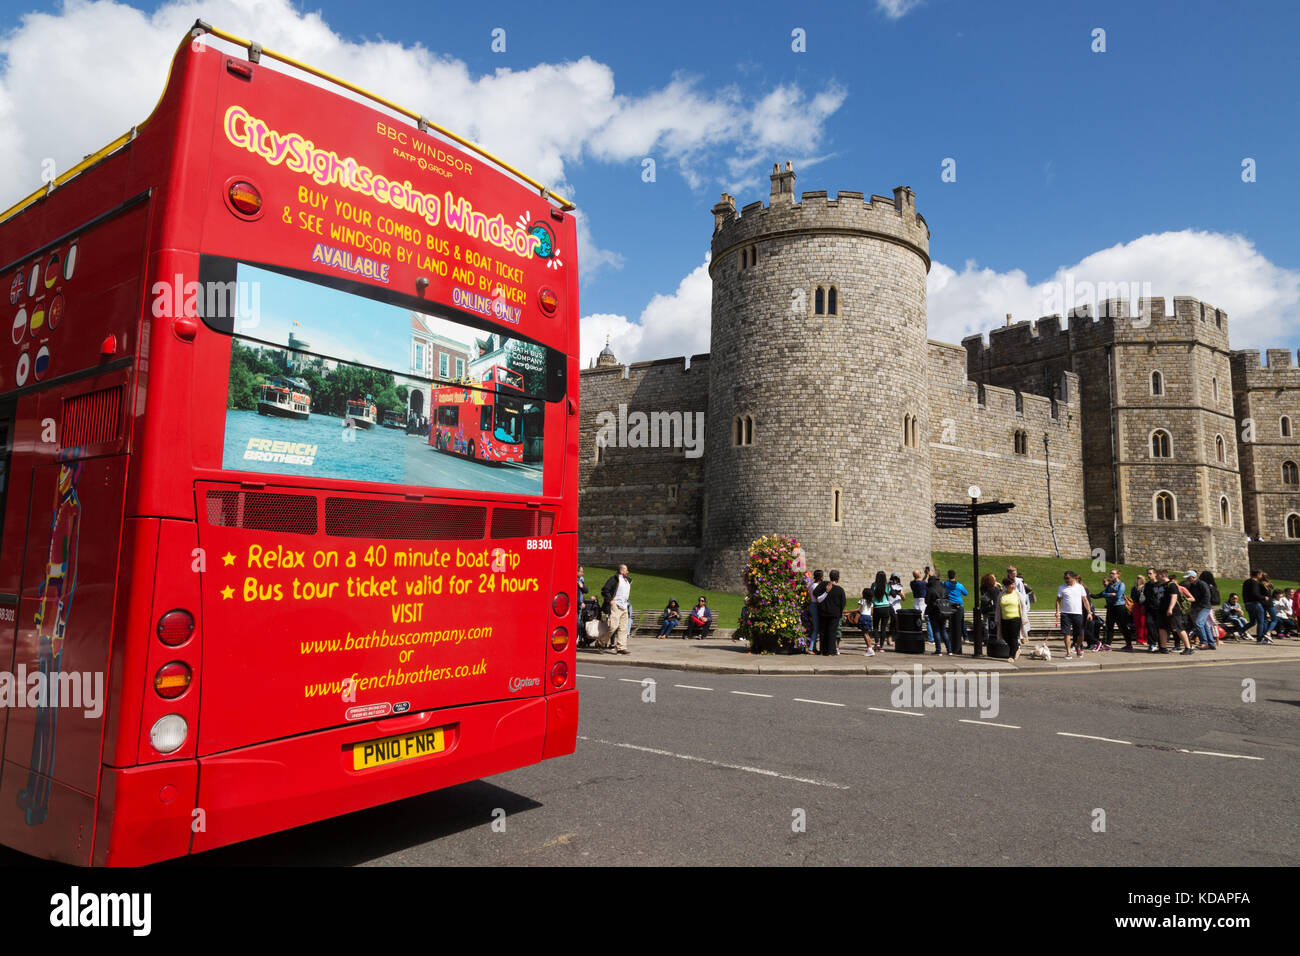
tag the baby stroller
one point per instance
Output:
(591, 629)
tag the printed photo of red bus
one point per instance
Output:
(485, 424)
(249, 615)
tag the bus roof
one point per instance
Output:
(255, 52)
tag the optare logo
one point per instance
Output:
(518, 683)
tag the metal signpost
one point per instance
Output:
(967, 516)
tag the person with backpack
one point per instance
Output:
(1205, 598)
(956, 592)
(937, 608)
(616, 593)
(990, 618)
(830, 601)
(1153, 602)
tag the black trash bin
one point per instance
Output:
(911, 632)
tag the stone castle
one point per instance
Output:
(830, 416)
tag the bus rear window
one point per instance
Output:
(327, 383)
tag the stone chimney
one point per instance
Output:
(782, 184)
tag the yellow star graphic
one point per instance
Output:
(227, 592)
(228, 558)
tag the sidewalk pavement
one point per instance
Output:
(719, 654)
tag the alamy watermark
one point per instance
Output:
(963, 689)
(1061, 298)
(177, 298)
(626, 429)
(82, 690)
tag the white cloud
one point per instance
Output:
(669, 325)
(895, 9)
(540, 119)
(1261, 298)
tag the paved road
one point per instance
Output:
(717, 775)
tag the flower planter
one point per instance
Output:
(765, 644)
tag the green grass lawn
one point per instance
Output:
(652, 589)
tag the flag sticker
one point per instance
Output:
(20, 325)
(42, 362)
(52, 270)
(24, 367)
(16, 288)
(37, 321)
(55, 314)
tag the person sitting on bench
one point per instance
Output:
(700, 621)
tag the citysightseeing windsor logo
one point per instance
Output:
(300, 155)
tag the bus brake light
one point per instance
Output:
(245, 200)
(559, 674)
(560, 604)
(175, 627)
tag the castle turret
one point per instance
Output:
(818, 420)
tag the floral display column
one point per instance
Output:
(772, 618)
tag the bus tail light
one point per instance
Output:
(244, 199)
(560, 604)
(175, 627)
(172, 680)
(560, 638)
(168, 734)
(559, 674)
(548, 300)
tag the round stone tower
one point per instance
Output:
(818, 422)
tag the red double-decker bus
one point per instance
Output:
(245, 622)
(484, 423)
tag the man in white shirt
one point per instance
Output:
(617, 591)
(1072, 608)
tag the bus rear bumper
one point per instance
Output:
(269, 787)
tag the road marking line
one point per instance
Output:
(592, 676)
(633, 680)
(716, 763)
(825, 703)
(1213, 753)
(745, 693)
(1109, 740)
(887, 710)
(988, 723)
(691, 687)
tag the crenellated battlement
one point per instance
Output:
(893, 219)
(1276, 371)
(1153, 322)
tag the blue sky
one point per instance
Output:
(1116, 165)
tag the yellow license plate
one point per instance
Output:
(375, 753)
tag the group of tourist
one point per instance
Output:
(1159, 610)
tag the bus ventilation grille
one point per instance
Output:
(405, 520)
(91, 419)
(521, 523)
(262, 511)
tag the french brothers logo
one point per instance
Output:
(284, 452)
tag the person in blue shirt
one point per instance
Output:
(1114, 592)
(957, 591)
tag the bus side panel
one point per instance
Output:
(127, 671)
(64, 623)
(287, 783)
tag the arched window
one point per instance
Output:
(832, 301)
(1293, 526)
(1020, 403)
(909, 431)
(1220, 450)
(1157, 383)
(742, 430)
(1290, 473)
(819, 301)
(1160, 444)
(1285, 424)
(1166, 509)
(1225, 514)
(1022, 442)
(1214, 382)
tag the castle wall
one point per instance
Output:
(1114, 358)
(641, 506)
(1263, 395)
(974, 444)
